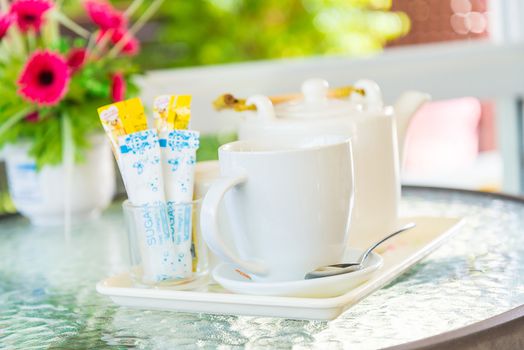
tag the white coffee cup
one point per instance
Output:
(289, 203)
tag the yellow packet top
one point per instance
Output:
(160, 106)
(112, 122)
(126, 117)
(121, 118)
(134, 117)
(172, 112)
(180, 113)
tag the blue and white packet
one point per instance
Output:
(139, 155)
(178, 150)
(141, 168)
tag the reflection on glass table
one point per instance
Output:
(48, 296)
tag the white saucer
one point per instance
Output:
(233, 281)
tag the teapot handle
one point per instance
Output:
(265, 108)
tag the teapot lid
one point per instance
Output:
(316, 102)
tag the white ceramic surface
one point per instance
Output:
(377, 133)
(332, 286)
(400, 254)
(289, 203)
(40, 195)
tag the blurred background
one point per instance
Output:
(205, 32)
(466, 53)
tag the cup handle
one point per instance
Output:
(211, 230)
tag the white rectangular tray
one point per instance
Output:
(400, 254)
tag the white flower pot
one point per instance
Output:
(41, 195)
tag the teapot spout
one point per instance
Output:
(405, 108)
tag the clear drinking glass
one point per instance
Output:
(165, 244)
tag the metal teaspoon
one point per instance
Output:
(338, 269)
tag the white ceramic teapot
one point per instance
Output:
(377, 134)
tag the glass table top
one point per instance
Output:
(48, 297)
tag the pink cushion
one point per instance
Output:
(443, 136)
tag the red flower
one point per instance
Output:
(76, 59)
(118, 87)
(5, 23)
(32, 117)
(131, 46)
(30, 13)
(44, 78)
(104, 15)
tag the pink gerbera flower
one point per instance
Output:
(5, 23)
(104, 15)
(30, 13)
(118, 87)
(131, 45)
(76, 59)
(44, 78)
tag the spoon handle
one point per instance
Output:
(370, 249)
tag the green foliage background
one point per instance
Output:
(222, 31)
(200, 32)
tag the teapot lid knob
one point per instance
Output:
(315, 90)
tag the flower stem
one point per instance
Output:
(4, 52)
(68, 161)
(31, 40)
(4, 6)
(133, 7)
(15, 118)
(17, 41)
(91, 42)
(51, 33)
(100, 45)
(4, 57)
(145, 16)
(70, 24)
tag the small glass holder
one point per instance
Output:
(166, 248)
